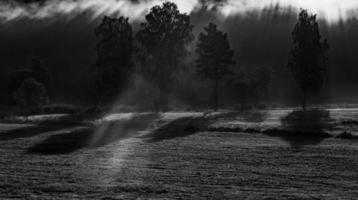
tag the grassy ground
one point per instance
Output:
(178, 160)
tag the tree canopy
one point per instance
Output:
(308, 59)
(31, 94)
(162, 40)
(214, 56)
(36, 71)
(114, 57)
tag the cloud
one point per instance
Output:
(332, 10)
(41, 10)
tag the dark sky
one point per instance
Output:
(65, 41)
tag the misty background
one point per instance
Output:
(260, 35)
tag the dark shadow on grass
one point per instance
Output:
(181, 127)
(93, 136)
(29, 131)
(254, 116)
(347, 136)
(63, 143)
(70, 120)
(251, 116)
(300, 128)
(62, 120)
(48, 125)
(247, 118)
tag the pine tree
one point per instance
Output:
(308, 59)
(214, 57)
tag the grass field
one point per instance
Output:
(178, 156)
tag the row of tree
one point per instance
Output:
(158, 50)
(161, 45)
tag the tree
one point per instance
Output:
(114, 57)
(163, 39)
(214, 57)
(35, 70)
(307, 59)
(253, 83)
(39, 72)
(31, 94)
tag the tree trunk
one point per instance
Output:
(215, 95)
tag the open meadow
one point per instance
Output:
(222, 155)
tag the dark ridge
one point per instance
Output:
(181, 127)
(93, 136)
(28, 132)
(347, 135)
(349, 122)
(297, 133)
(63, 143)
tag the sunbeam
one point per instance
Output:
(331, 10)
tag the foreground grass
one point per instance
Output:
(174, 159)
(225, 166)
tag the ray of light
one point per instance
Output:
(331, 10)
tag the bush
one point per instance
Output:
(262, 106)
(59, 109)
(94, 110)
(315, 120)
(245, 107)
(31, 94)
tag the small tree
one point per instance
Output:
(35, 70)
(252, 83)
(39, 72)
(31, 94)
(261, 84)
(114, 57)
(163, 39)
(307, 59)
(214, 57)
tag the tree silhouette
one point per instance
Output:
(35, 71)
(253, 83)
(307, 59)
(214, 57)
(163, 39)
(31, 94)
(40, 73)
(114, 57)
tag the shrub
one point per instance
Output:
(93, 110)
(315, 120)
(262, 106)
(59, 109)
(31, 94)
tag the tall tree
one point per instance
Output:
(214, 57)
(308, 59)
(114, 57)
(163, 39)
